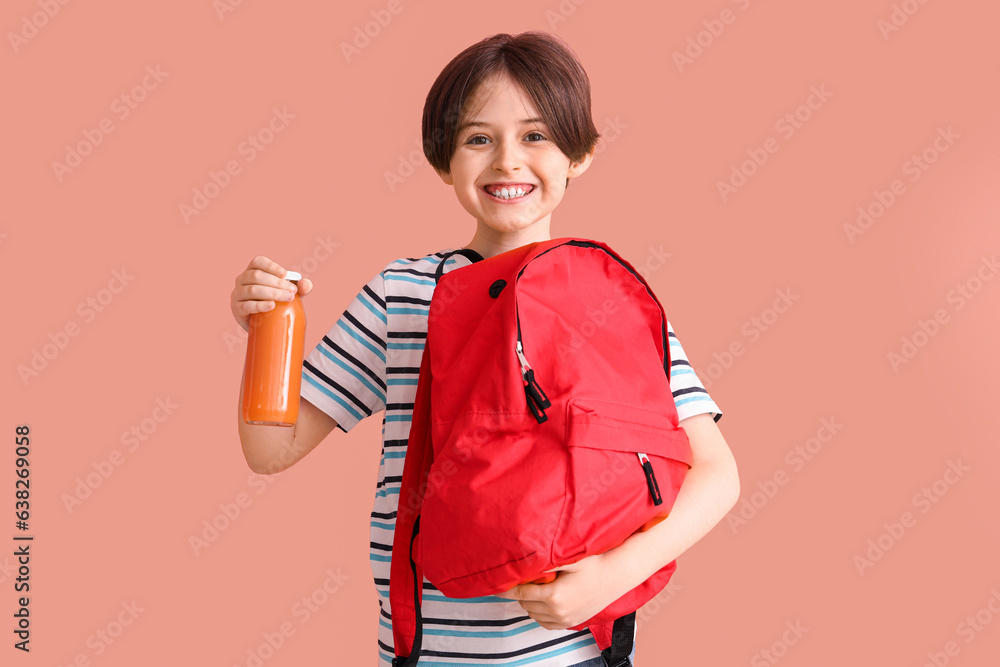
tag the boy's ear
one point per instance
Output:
(447, 178)
(577, 168)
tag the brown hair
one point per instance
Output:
(541, 63)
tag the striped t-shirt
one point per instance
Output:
(369, 362)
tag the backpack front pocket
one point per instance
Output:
(493, 501)
(626, 465)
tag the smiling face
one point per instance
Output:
(503, 143)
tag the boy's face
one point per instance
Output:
(502, 149)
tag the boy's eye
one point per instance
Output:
(475, 139)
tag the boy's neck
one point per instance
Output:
(495, 243)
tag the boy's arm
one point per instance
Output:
(710, 489)
(271, 449)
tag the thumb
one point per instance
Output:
(514, 593)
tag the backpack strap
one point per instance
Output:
(622, 635)
(467, 252)
(406, 575)
(413, 615)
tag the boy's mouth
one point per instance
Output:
(508, 191)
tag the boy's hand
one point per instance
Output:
(579, 592)
(259, 286)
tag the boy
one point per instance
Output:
(507, 123)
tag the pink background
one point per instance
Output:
(671, 134)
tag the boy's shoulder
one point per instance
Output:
(430, 260)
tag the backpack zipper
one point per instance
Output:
(654, 488)
(537, 400)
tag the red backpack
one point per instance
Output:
(544, 430)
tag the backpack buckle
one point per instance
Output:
(624, 662)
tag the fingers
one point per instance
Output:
(534, 600)
(264, 280)
(264, 271)
(509, 595)
(254, 306)
(550, 625)
(266, 264)
(265, 287)
(260, 286)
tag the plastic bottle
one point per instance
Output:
(272, 373)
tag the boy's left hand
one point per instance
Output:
(579, 591)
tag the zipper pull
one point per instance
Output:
(529, 377)
(654, 488)
(520, 356)
(537, 400)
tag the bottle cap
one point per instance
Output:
(292, 275)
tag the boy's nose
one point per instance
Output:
(507, 157)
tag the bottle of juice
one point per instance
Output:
(272, 373)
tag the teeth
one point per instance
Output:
(505, 193)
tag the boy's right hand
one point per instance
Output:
(259, 286)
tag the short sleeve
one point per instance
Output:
(690, 396)
(344, 375)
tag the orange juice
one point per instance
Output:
(272, 373)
